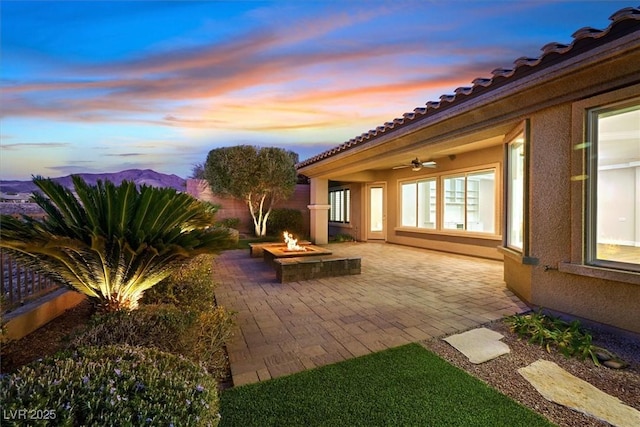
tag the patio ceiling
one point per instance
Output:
(364, 163)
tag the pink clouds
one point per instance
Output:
(33, 145)
(155, 87)
(165, 82)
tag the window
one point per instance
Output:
(470, 202)
(515, 192)
(340, 202)
(613, 190)
(454, 203)
(409, 204)
(419, 204)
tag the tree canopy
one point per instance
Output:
(259, 176)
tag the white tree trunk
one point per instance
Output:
(256, 223)
(264, 223)
(259, 219)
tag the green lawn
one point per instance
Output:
(403, 386)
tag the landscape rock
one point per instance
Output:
(559, 386)
(479, 345)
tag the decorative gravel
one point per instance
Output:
(502, 372)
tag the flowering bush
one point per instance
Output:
(112, 385)
(148, 326)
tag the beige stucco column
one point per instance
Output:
(319, 211)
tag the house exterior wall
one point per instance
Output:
(466, 243)
(463, 242)
(554, 275)
(560, 280)
(549, 185)
(606, 301)
(517, 277)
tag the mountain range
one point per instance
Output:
(139, 176)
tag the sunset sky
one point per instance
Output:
(107, 86)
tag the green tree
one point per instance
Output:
(259, 176)
(197, 171)
(111, 242)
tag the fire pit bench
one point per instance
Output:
(256, 250)
(305, 268)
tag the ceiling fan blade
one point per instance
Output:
(416, 165)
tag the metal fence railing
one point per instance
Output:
(20, 284)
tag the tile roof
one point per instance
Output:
(624, 21)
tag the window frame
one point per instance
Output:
(496, 200)
(345, 205)
(591, 151)
(523, 129)
(416, 182)
(577, 260)
(439, 178)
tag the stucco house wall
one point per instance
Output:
(557, 279)
(549, 189)
(551, 217)
(479, 244)
(554, 277)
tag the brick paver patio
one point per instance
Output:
(403, 295)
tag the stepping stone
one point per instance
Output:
(557, 385)
(479, 345)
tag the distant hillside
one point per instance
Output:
(140, 177)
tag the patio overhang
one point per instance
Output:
(366, 163)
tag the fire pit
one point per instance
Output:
(292, 244)
(291, 249)
(294, 262)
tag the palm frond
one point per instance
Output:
(111, 242)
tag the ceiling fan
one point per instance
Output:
(416, 165)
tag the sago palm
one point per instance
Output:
(111, 242)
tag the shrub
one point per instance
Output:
(548, 331)
(148, 326)
(343, 237)
(4, 339)
(198, 336)
(179, 316)
(230, 222)
(115, 385)
(191, 286)
(286, 219)
(204, 342)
